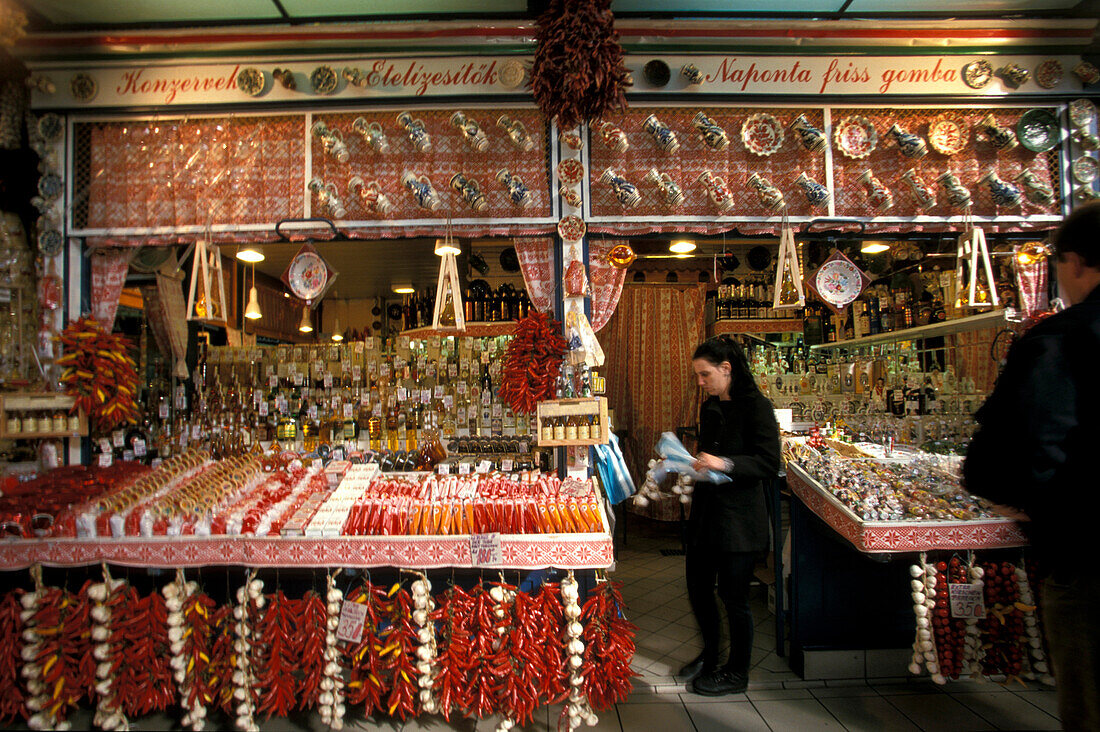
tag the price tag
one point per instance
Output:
(425, 396)
(162, 410)
(485, 550)
(155, 463)
(104, 444)
(460, 388)
(139, 447)
(262, 409)
(348, 410)
(196, 432)
(335, 404)
(313, 411)
(967, 600)
(483, 466)
(443, 469)
(448, 402)
(384, 370)
(369, 344)
(486, 398)
(357, 373)
(328, 381)
(452, 370)
(272, 381)
(402, 394)
(461, 414)
(318, 366)
(506, 465)
(403, 342)
(376, 410)
(297, 379)
(106, 459)
(364, 399)
(353, 616)
(118, 438)
(498, 410)
(183, 438)
(463, 468)
(485, 357)
(128, 455)
(337, 453)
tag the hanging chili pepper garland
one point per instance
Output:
(100, 373)
(13, 688)
(578, 72)
(531, 362)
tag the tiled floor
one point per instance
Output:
(777, 699)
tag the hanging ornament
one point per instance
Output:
(838, 282)
(208, 283)
(972, 244)
(789, 294)
(308, 276)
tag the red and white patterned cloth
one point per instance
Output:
(109, 267)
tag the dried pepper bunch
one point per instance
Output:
(531, 362)
(100, 373)
(578, 72)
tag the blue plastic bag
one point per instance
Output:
(613, 473)
(676, 459)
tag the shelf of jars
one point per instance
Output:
(980, 321)
(572, 422)
(886, 500)
(36, 416)
(260, 510)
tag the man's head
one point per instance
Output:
(1077, 251)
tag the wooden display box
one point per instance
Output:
(38, 402)
(588, 406)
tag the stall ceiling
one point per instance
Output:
(48, 15)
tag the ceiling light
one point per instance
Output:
(336, 334)
(682, 246)
(874, 247)
(305, 326)
(402, 288)
(252, 310)
(446, 246)
(251, 254)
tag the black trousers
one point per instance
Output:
(733, 573)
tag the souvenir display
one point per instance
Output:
(571, 228)
(621, 256)
(418, 135)
(517, 133)
(626, 193)
(855, 137)
(664, 136)
(1082, 113)
(1015, 75)
(809, 136)
(978, 74)
(770, 196)
(421, 189)
(83, 87)
(613, 137)
(307, 275)
(372, 134)
(671, 193)
(923, 195)
(1003, 193)
(838, 281)
(518, 193)
(251, 81)
(324, 80)
(957, 194)
(710, 132)
(470, 192)
(1049, 73)
(879, 197)
(328, 199)
(1038, 130)
(1085, 169)
(1035, 190)
(717, 190)
(817, 194)
(1001, 138)
(332, 140)
(50, 127)
(657, 73)
(946, 135)
(570, 171)
(471, 132)
(1087, 73)
(285, 77)
(911, 146)
(371, 195)
(762, 134)
(692, 74)
(512, 74)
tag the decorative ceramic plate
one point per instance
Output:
(978, 74)
(571, 228)
(307, 275)
(839, 282)
(570, 172)
(762, 134)
(1038, 130)
(324, 79)
(83, 87)
(50, 242)
(855, 136)
(1082, 113)
(1085, 169)
(251, 81)
(1049, 73)
(511, 74)
(50, 127)
(947, 136)
(50, 186)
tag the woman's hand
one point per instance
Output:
(705, 461)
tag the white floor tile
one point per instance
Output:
(726, 715)
(937, 712)
(868, 713)
(778, 694)
(667, 717)
(1007, 711)
(797, 714)
(1045, 699)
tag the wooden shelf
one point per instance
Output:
(756, 325)
(473, 330)
(38, 402)
(980, 321)
(586, 406)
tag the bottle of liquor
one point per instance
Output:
(411, 427)
(393, 439)
(874, 320)
(813, 325)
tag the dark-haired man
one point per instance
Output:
(1036, 451)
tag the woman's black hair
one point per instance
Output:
(723, 348)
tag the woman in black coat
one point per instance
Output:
(728, 527)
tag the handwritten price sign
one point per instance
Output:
(352, 617)
(485, 550)
(966, 601)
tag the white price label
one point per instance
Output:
(437, 392)
(448, 402)
(297, 379)
(118, 438)
(376, 410)
(486, 398)
(498, 410)
(357, 373)
(106, 459)
(443, 469)
(967, 600)
(272, 381)
(328, 381)
(460, 388)
(263, 409)
(313, 411)
(483, 466)
(463, 468)
(348, 410)
(402, 394)
(485, 357)
(461, 414)
(128, 455)
(162, 410)
(353, 616)
(452, 371)
(337, 453)
(196, 432)
(506, 465)
(104, 444)
(485, 550)
(139, 448)
(369, 343)
(425, 396)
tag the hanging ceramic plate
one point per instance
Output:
(855, 137)
(946, 135)
(656, 72)
(83, 87)
(762, 134)
(570, 171)
(50, 242)
(324, 80)
(251, 81)
(978, 74)
(1038, 130)
(1049, 73)
(511, 74)
(1082, 113)
(50, 186)
(571, 228)
(1085, 169)
(50, 127)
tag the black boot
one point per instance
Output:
(694, 668)
(720, 682)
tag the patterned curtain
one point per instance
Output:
(166, 311)
(536, 261)
(607, 281)
(649, 341)
(109, 267)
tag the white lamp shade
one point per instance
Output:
(305, 326)
(251, 253)
(446, 246)
(252, 309)
(682, 246)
